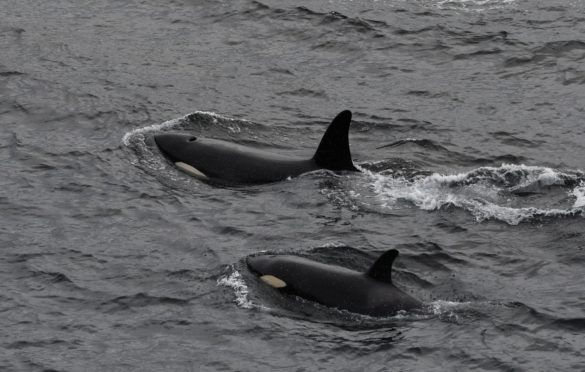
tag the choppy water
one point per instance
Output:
(468, 124)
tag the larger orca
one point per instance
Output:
(217, 160)
(370, 293)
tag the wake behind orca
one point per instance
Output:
(222, 161)
(370, 293)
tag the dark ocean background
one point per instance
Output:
(468, 123)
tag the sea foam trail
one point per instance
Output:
(486, 192)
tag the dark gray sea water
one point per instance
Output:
(468, 123)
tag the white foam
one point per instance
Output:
(447, 310)
(173, 122)
(151, 128)
(478, 191)
(579, 194)
(439, 307)
(237, 283)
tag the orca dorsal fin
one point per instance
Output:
(333, 151)
(382, 269)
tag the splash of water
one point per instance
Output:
(126, 139)
(237, 283)
(486, 192)
(579, 194)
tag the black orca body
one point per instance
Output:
(370, 293)
(217, 160)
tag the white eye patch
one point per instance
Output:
(273, 281)
(190, 170)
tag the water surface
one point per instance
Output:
(468, 125)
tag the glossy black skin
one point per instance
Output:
(229, 162)
(333, 286)
(225, 162)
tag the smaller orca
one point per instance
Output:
(370, 293)
(222, 161)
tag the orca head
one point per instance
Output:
(174, 145)
(262, 265)
(180, 149)
(259, 264)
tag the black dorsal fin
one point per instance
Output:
(333, 151)
(382, 269)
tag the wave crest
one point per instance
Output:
(510, 193)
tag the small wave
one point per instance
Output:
(57, 277)
(126, 139)
(441, 306)
(46, 343)
(474, 5)
(420, 142)
(151, 128)
(447, 310)
(487, 192)
(140, 299)
(571, 324)
(302, 92)
(236, 282)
